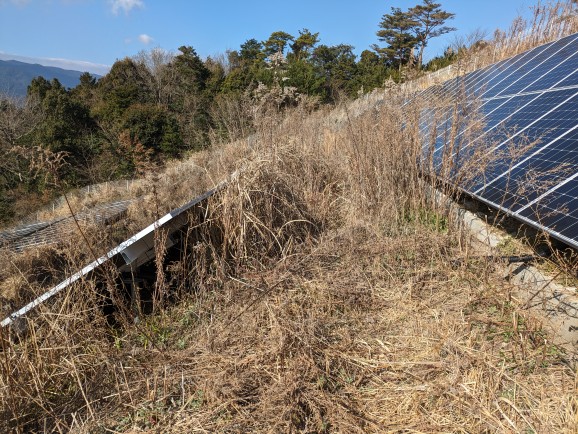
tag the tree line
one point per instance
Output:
(159, 105)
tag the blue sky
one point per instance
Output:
(99, 32)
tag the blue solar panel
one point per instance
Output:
(570, 80)
(527, 147)
(555, 210)
(517, 72)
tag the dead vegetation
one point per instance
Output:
(318, 292)
(323, 290)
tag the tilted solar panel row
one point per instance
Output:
(55, 231)
(518, 121)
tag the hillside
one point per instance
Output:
(15, 76)
(322, 288)
(320, 291)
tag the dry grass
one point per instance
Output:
(353, 336)
(547, 21)
(321, 291)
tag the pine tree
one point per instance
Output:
(406, 31)
(431, 19)
(398, 30)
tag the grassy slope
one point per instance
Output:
(363, 333)
(321, 294)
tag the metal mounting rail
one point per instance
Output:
(132, 252)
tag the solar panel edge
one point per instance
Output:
(555, 234)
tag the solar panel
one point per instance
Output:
(527, 145)
(54, 231)
(128, 254)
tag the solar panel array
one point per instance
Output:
(525, 137)
(54, 231)
(132, 252)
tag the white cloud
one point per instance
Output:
(145, 39)
(125, 5)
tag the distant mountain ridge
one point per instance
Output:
(15, 76)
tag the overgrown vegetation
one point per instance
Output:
(319, 292)
(322, 290)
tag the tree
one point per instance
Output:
(18, 119)
(371, 71)
(192, 95)
(404, 31)
(305, 77)
(156, 62)
(65, 124)
(303, 45)
(398, 30)
(126, 83)
(246, 67)
(337, 65)
(431, 19)
(251, 50)
(84, 92)
(154, 128)
(439, 62)
(217, 66)
(276, 43)
(192, 72)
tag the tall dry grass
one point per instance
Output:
(547, 21)
(317, 292)
(324, 289)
